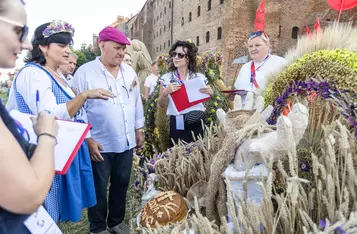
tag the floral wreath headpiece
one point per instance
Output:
(57, 26)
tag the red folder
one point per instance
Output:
(74, 152)
(181, 101)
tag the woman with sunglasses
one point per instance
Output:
(25, 179)
(252, 75)
(38, 86)
(183, 67)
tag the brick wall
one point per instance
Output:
(162, 26)
(236, 18)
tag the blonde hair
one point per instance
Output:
(263, 37)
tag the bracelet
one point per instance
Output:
(46, 134)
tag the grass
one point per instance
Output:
(82, 227)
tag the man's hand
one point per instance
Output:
(94, 148)
(139, 138)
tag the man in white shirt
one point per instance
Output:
(116, 128)
(68, 69)
(151, 80)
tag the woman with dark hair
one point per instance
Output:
(182, 68)
(37, 87)
(25, 178)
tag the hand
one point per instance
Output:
(44, 123)
(98, 94)
(94, 148)
(207, 90)
(139, 138)
(171, 88)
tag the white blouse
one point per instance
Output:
(30, 80)
(171, 77)
(272, 64)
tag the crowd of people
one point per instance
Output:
(104, 93)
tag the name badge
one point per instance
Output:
(41, 222)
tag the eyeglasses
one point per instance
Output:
(23, 29)
(178, 54)
(258, 34)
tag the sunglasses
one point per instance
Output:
(22, 30)
(257, 34)
(178, 54)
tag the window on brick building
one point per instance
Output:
(160, 31)
(157, 33)
(169, 24)
(198, 11)
(169, 43)
(295, 32)
(197, 41)
(160, 14)
(164, 45)
(221, 2)
(219, 33)
(207, 37)
(189, 17)
(157, 18)
(209, 5)
(164, 28)
(157, 49)
(160, 47)
(169, 4)
(165, 10)
(154, 20)
(182, 21)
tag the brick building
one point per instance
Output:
(223, 25)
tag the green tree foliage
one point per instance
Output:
(85, 54)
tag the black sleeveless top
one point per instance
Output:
(11, 223)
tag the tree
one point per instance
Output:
(85, 54)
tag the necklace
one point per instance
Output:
(51, 70)
(56, 73)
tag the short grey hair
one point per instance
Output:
(74, 55)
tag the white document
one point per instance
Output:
(41, 222)
(69, 138)
(193, 89)
(180, 123)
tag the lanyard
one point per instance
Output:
(253, 70)
(110, 87)
(179, 77)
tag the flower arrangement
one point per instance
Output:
(338, 67)
(58, 26)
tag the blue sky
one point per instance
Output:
(86, 16)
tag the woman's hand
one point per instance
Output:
(171, 88)
(45, 123)
(208, 90)
(98, 94)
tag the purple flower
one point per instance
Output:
(137, 184)
(339, 230)
(322, 224)
(352, 121)
(304, 166)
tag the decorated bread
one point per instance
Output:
(166, 208)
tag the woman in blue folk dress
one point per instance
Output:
(39, 79)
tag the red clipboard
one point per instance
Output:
(74, 152)
(180, 99)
